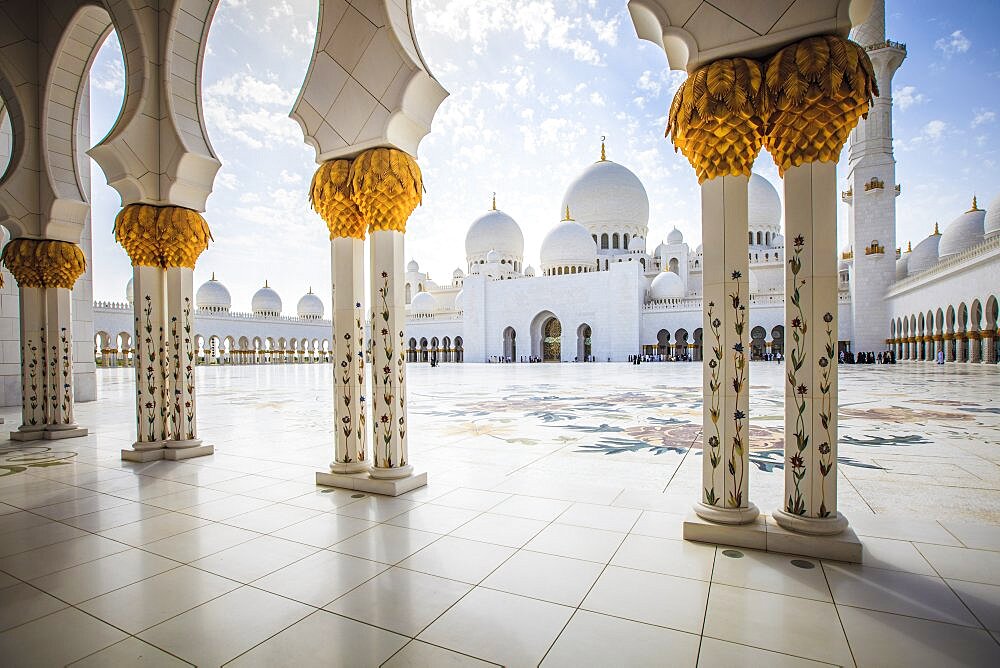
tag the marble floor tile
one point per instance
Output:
(226, 627)
(130, 652)
(896, 555)
(591, 639)
(669, 557)
(548, 577)
(400, 600)
(651, 598)
(51, 558)
(977, 535)
(955, 563)
(376, 508)
(890, 641)
(253, 559)
(146, 603)
(271, 518)
(22, 603)
(577, 542)
(721, 654)
(32, 537)
(320, 578)
(496, 626)
(115, 517)
(982, 599)
(323, 530)
(152, 529)
(200, 542)
(386, 543)
(919, 530)
(771, 571)
(437, 519)
(531, 507)
(79, 583)
(500, 529)
(79, 635)
(324, 638)
(84, 506)
(927, 597)
(222, 509)
(458, 559)
(734, 614)
(599, 517)
(471, 499)
(418, 654)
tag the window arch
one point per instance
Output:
(604, 241)
(615, 240)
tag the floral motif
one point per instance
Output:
(796, 503)
(737, 465)
(826, 408)
(715, 389)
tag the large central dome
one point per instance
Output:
(494, 231)
(607, 195)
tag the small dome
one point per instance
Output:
(529, 271)
(924, 256)
(607, 193)
(424, 302)
(458, 273)
(964, 232)
(778, 240)
(493, 257)
(763, 205)
(568, 244)
(700, 249)
(675, 236)
(661, 250)
(902, 266)
(494, 231)
(130, 290)
(266, 302)
(992, 221)
(310, 306)
(213, 296)
(666, 285)
(412, 266)
(459, 300)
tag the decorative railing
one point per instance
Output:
(875, 250)
(847, 255)
(899, 188)
(943, 266)
(874, 184)
(887, 44)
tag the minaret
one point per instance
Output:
(872, 192)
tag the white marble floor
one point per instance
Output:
(549, 533)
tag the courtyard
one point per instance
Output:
(549, 532)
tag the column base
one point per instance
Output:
(812, 526)
(393, 473)
(29, 434)
(765, 534)
(56, 432)
(187, 449)
(727, 515)
(348, 468)
(147, 453)
(364, 482)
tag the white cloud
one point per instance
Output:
(907, 96)
(227, 180)
(934, 130)
(247, 88)
(606, 30)
(290, 177)
(983, 116)
(954, 43)
(597, 99)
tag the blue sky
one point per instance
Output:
(534, 85)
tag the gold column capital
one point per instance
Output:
(716, 118)
(44, 263)
(162, 236)
(387, 186)
(330, 195)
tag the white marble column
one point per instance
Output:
(810, 501)
(152, 397)
(33, 366)
(989, 347)
(59, 365)
(183, 442)
(349, 424)
(726, 339)
(974, 347)
(949, 346)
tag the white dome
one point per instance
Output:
(661, 250)
(266, 302)
(763, 205)
(424, 302)
(130, 290)
(310, 306)
(607, 194)
(458, 273)
(924, 256)
(412, 266)
(213, 296)
(494, 231)
(459, 298)
(666, 285)
(675, 236)
(567, 244)
(963, 233)
(902, 266)
(992, 220)
(493, 257)
(529, 271)
(700, 249)
(777, 240)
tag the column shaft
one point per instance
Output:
(726, 388)
(388, 323)
(181, 357)
(810, 502)
(153, 401)
(33, 367)
(59, 362)
(349, 425)
(974, 347)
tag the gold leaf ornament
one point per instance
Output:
(816, 91)
(330, 197)
(716, 118)
(162, 236)
(387, 186)
(44, 263)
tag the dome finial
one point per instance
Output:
(975, 206)
(604, 155)
(265, 282)
(310, 289)
(567, 214)
(213, 275)
(937, 232)
(909, 247)
(494, 202)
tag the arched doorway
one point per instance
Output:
(663, 342)
(552, 340)
(681, 344)
(757, 345)
(423, 350)
(696, 351)
(778, 340)
(583, 343)
(459, 349)
(510, 344)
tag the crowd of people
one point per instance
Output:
(887, 357)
